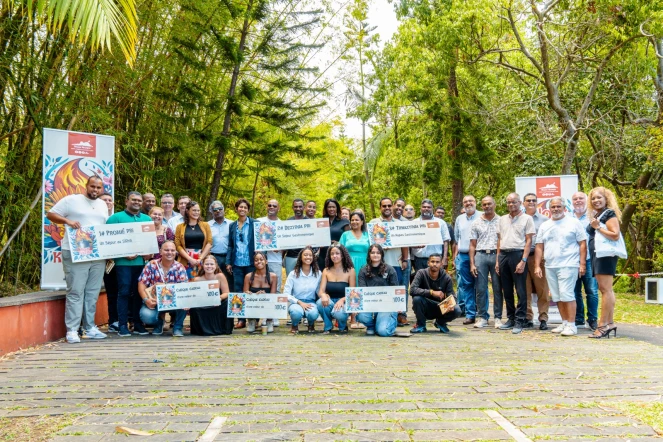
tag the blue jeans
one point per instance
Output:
(403, 277)
(466, 282)
(384, 324)
(150, 317)
(238, 277)
(127, 294)
(297, 313)
(328, 314)
(591, 290)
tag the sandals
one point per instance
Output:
(294, 330)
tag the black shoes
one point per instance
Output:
(543, 325)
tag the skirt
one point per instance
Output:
(211, 321)
(602, 266)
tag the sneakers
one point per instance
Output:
(517, 329)
(72, 337)
(559, 329)
(270, 326)
(543, 325)
(498, 322)
(158, 329)
(508, 325)
(124, 331)
(441, 327)
(580, 324)
(178, 333)
(419, 329)
(275, 323)
(94, 333)
(140, 330)
(114, 327)
(370, 332)
(569, 330)
(251, 326)
(481, 323)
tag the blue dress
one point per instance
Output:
(357, 248)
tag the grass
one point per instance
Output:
(632, 309)
(33, 428)
(650, 413)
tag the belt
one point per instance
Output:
(222, 255)
(488, 252)
(511, 250)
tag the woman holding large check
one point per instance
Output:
(212, 321)
(339, 273)
(377, 273)
(301, 288)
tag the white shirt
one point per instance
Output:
(274, 257)
(462, 230)
(175, 221)
(560, 239)
(428, 250)
(304, 288)
(82, 209)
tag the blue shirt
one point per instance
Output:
(242, 247)
(430, 249)
(220, 236)
(462, 230)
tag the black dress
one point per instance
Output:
(336, 229)
(607, 265)
(211, 321)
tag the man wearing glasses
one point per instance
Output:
(220, 236)
(408, 213)
(536, 284)
(291, 254)
(467, 300)
(168, 204)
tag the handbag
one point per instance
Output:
(447, 305)
(605, 247)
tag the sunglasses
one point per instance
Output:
(272, 205)
(386, 207)
(530, 201)
(218, 209)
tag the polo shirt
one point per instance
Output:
(462, 230)
(513, 231)
(430, 249)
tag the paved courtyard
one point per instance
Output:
(469, 385)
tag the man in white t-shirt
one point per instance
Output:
(562, 242)
(84, 278)
(274, 257)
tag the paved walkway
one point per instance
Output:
(468, 385)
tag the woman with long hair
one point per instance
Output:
(605, 216)
(357, 243)
(301, 288)
(164, 233)
(260, 280)
(339, 273)
(193, 239)
(337, 225)
(212, 321)
(377, 273)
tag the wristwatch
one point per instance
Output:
(524, 259)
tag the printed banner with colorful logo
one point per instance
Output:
(108, 241)
(291, 234)
(70, 158)
(257, 305)
(375, 299)
(547, 187)
(405, 233)
(187, 295)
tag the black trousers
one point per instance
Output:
(425, 308)
(110, 283)
(509, 278)
(221, 261)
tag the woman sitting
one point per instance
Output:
(336, 277)
(377, 273)
(301, 288)
(212, 321)
(261, 280)
(164, 270)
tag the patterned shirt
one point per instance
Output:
(485, 232)
(242, 247)
(153, 273)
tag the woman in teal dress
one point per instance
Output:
(356, 242)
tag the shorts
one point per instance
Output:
(562, 283)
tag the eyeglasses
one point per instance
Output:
(409, 210)
(272, 205)
(386, 206)
(218, 209)
(166, 204)
(530, 201)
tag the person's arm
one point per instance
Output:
(417, 288)
(497, 256)
(353, 278)
(322, 293)
(392, 277)
(456, 234)
(405, 256)
(522, 265)
(448, 288)
(231, 247)
(538, 254)
(473, 251)
(611, 229)
(362, 277)
(224, 289)
(247, 283)
(59, 219)
(179, 243)
(289, 286)
(583, 258)
(273, 280)
(445, 254)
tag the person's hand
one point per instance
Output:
(445, 262)
(595, 223)
(438, 294)
(324, 300)
(73, 224)
(538, 272)
(132, 257)
(305, 305)
(229, 269)
(582, 270)
(520, 268)
(150, 302)
(260, 292)
(339, 305)
(473, 270)
(497, 268)
(403, 265)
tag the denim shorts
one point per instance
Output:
(562, 283)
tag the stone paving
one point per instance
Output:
(318, 387)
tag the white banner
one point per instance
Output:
(546, 187)
(70, 158)
(187, 295)
(375, 299)
(108, 241)
(257, 305)
(291, 234)
(405, 233)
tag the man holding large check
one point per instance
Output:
(291, 234)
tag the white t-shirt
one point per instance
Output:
(560, 239)
(82, 209)
(273, 257)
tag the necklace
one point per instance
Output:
(193, 227)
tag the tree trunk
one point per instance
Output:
(456, 162)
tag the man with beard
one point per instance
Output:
(83, 278)
(536, 284)
(220, 227)
(587, 280)
(291, 254)
(422, 253)
(466, 280)
(562, 241)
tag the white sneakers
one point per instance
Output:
(569, 330)
(276, 323)
(251, 326)
(72, 337)
(94, 333)
(481, 323)
(498, 323)
(270, 326)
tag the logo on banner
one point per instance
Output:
(82, 145)
(548, 187)
(322, 224)
(433, 225)
(148, 228)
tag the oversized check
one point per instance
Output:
(405, 233)
(257, 305)
(291, 234)
(187, 295)
(107, 241)
(375, 299)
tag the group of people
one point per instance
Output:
(522, 250)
